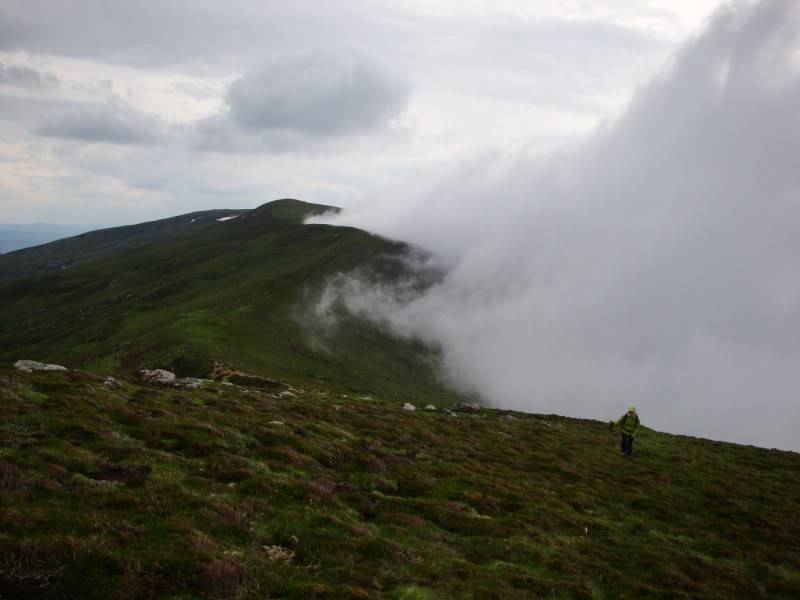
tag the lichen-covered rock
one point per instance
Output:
(31, 365)
(430, 407)
(158, 377)
(111, 382)
(409, 407)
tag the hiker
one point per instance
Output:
(629, 422)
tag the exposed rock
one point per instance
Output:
(410, 407)
(225, 374)
(278, 553)
(111, 382)
(158, 377)
(467, 407)
(430, 407)
(192, 383)
(31, 365)
(287, 394)
(279, 423)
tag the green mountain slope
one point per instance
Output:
(239, 292)
(67, 252)
(232, 492)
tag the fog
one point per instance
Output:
(654, 263)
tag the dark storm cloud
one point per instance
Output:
(26, 77)
(111, 122)
(656, 265)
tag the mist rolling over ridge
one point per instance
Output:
(655, 265)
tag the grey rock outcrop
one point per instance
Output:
(158, 377)
(31, 365)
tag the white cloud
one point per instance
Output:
(655, 265)
(319, 92)
(302, 102)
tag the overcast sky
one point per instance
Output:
(115, 112)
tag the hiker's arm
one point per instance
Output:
(636, 427)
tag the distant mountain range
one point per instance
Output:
(15, 237)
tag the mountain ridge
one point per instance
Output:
(241, 292)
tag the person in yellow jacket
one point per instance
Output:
(629, 423)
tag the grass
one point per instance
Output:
(231, 492)
(240, 292)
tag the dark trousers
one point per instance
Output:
(627, 444)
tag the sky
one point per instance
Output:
(117, 112)
(652, 263)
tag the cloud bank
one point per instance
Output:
(655, 265)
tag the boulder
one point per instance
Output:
(430, 407)
(409, 407)
(158, 377)
(28, 366)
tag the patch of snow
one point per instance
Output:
(221, 219)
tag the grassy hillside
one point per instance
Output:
(239, 292)
(67, 252)
(230, 492)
